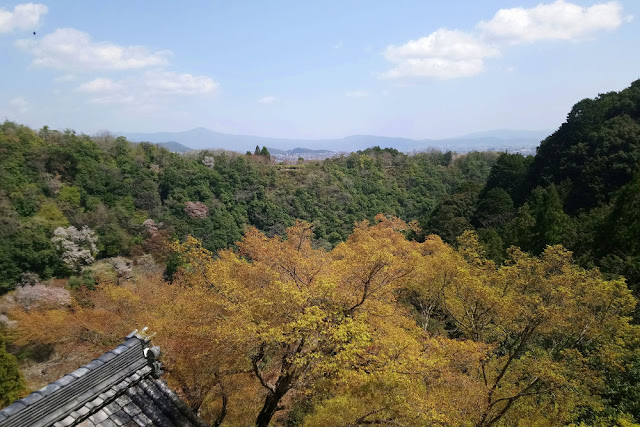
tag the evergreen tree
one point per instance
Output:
(12, 384)
(552, 223)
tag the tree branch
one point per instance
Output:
(254, 362)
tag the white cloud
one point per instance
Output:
(25, 16)
(171, 83)
(147, 88)
(441, 68)
(356, 94)
(120, 98)
(338, 45)
(19, 104)
(100, 85)
(447, 54)
(70, 49)
(268, 100)
(443, 54)
(559, 20)
(443, 43)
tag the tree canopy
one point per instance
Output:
(51, 179)
(379, 330)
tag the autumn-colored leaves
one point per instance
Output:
(379, 330)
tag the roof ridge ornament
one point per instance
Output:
(152, 354)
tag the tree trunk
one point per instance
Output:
(273, 398)
(223, 412)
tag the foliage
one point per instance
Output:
(544, 318)
(12, 385)
(128, 193)
(324, 323)
(579, 190)
(597, 149)
(379, 330)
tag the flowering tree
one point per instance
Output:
(39, 295)
(196, 210)
(209, 162)
(78, 247)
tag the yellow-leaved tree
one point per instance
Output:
(551, 327)
(380, 330)
(306, 324)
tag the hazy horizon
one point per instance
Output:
(312, 71)
(472, 134)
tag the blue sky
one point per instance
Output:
(312, 69)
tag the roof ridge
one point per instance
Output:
(59, 399)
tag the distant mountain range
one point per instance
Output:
(202, 138)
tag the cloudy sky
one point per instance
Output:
(312, 69)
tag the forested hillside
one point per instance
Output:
(581, 190)
(136, 197)
(372, 289)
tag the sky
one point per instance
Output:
(311, 69)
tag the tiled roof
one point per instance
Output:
(120, 388)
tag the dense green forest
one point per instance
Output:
(134, 196)
(374, 288)
(581, 190)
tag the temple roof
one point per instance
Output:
(121, 387)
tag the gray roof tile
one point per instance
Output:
(98, 401)
(82, 411)
(119, 349)
(98, 417)
(157, 416)
(94, 364)
(107, 423)
(107, 394)
(142, 420)
(123, 400)
(131, 409)
(14, 408)
(107, 356)
(69, 420)
(67, 379)
(111, 408)
(48, 389)
(80, 372)
(32, 398)
(117, 389)
(131, 342)
(120, 417)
